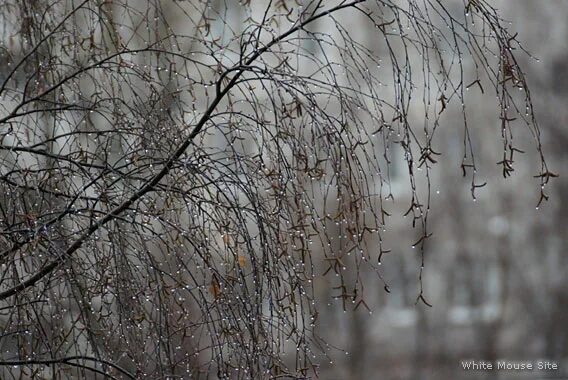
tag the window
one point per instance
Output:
(225, 21)
(475, 291)
(402, 286)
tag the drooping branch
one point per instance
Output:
(151, 184)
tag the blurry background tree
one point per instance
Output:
(184, 183)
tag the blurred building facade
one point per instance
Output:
(497, 268)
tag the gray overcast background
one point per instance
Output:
(496, 269)
(497, 272)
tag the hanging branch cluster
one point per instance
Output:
(173, 182)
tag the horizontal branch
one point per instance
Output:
(69, 361)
